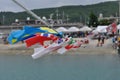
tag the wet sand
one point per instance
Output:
(90, 48)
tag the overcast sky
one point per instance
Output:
(9, 5)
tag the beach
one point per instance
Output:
(90, 48)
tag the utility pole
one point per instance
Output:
(80, 19)
(63, 16)
(57, 15)
(51, 15)
(67, 18)
(3, 22)
(118, 11)
(85, 20)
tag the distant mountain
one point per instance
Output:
(74, 13)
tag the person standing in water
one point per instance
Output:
(118, 47)
(99, 39)
(102, 39)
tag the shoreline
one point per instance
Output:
(90, 48)
(81, 50)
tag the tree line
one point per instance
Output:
(78, 13)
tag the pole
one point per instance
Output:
(119, 11)
(67, 18)
(63, 16)
(80, 19)
(3, 19)
(57, 15)
(31, 13)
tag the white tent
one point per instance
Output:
(118, 26)
(73, 29)
(101, 29)
(95, 32)
(61, 29)
(1, 35)
(85, 28)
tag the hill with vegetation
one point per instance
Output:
(78, 13)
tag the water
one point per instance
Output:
(56, 67)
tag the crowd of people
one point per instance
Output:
(116, 41)
(4, 38)
(77, 34)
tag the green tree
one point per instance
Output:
(93, 20)
(0, 23)
(106, 21)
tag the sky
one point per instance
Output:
(9, 5)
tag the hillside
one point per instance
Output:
(75, 13)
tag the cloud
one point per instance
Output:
(9, 5)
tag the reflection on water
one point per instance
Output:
(56, 67)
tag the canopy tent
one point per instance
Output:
(85, 28)
(118, 26)
(101, 29)
(1, 35)
(95, 31)
(61, 29)
(73, 29)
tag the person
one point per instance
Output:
(60, 40)
(118, 47)
(5, 39)
(115, 42)
(102, 38)
(99, 39)
(86, 40)
(118, 38)
(71, 41)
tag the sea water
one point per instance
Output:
(57, 67)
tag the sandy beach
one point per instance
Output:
(90, 48)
